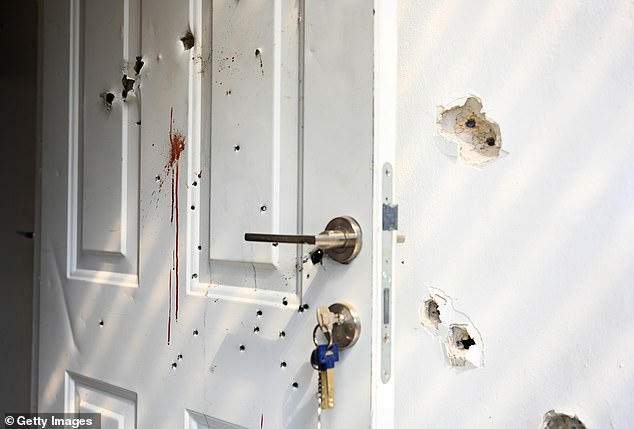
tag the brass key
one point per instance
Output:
(326, 377)
(323, 359)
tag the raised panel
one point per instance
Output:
(103, 224)
(195, 420)
(248, 155)
(117, 406)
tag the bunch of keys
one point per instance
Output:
(340, 326)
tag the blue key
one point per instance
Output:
(326, 358)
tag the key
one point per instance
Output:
(325, 320)
(326, 358)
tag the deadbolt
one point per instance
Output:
(340, 324)
(341, 240)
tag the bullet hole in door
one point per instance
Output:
(101, 323)
(316, 256)
(283, 365)
(555, 420)
(128, 85)
(108, 98)
(188, 40)
(478, 138)
(284, 301)
(138, 65)
(282, 334)
(195, 333)
(258, 55)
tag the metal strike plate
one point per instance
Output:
(346, 326)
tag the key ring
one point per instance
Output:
(326, 334)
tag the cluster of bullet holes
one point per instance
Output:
(478, 138)
(128, 86)
(460, 341)
(555, 420)
(178, 359)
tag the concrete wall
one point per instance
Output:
(18, 44)
(536, 250)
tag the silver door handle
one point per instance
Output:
(341, 239)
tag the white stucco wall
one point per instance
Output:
(537, 249)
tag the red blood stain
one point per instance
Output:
(169, 312)
(177, 146)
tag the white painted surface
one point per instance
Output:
(105, 305)
(536, 248)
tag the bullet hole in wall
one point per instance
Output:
(555, 420)
(460, 342)
(478, 138)
(457, 345)
(431, 313)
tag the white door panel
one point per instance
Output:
(116, 406)
(148, 287)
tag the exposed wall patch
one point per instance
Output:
(555, 420)
(478, 138)
(461, 342)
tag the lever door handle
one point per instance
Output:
(341, 239)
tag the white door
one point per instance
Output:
(170, 129)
